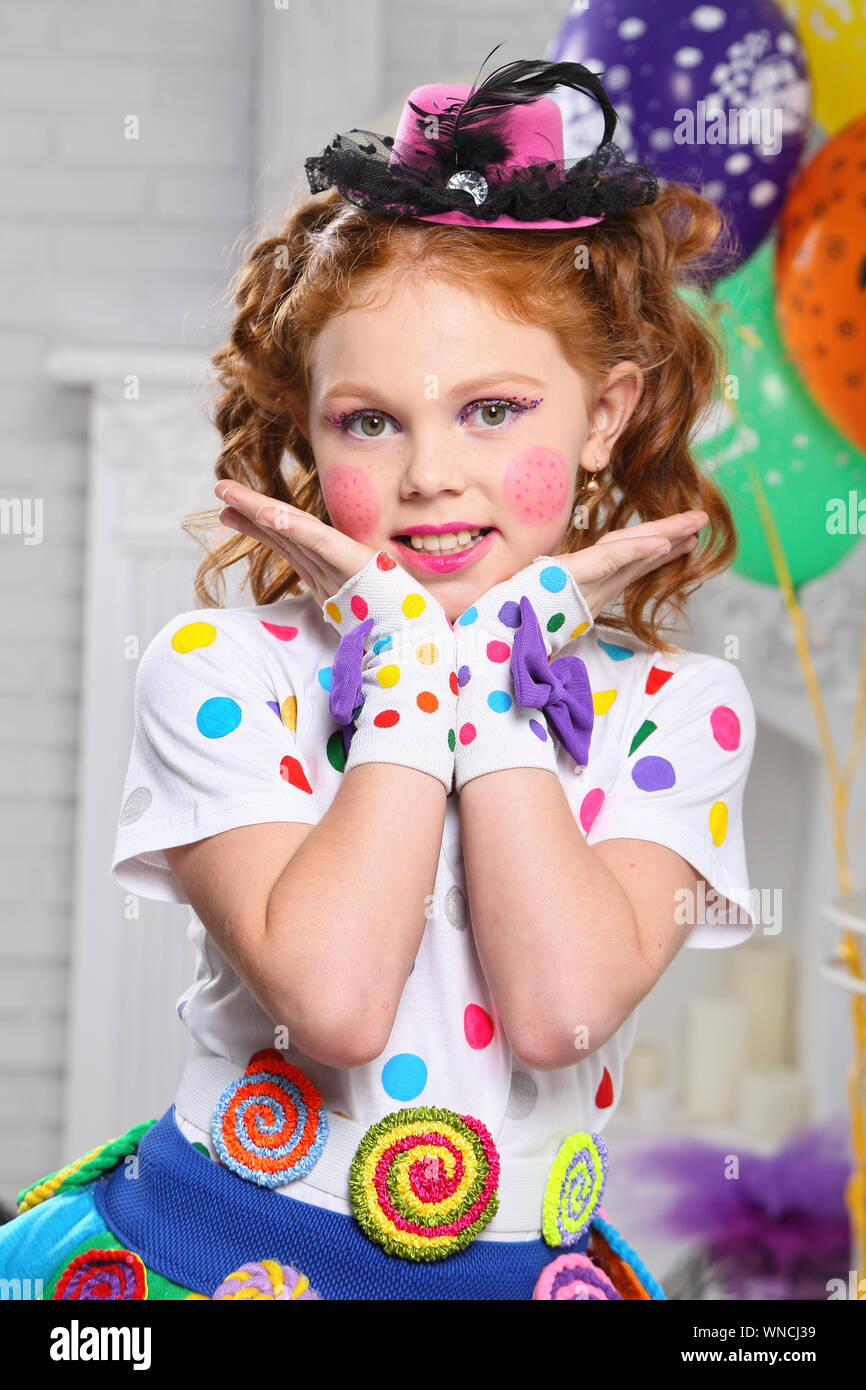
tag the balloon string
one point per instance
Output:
(840, 783)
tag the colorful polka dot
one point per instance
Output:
(387, 719)
(384, 561)
(615, 650)
(404, 1076)
(384, 644)
(325, 678)
(604, 1094)
(553, 578)
(657, 677)
(581, 628)
(427, 702)
(477, 1026)
(467, 733)
(499, 701)
(333, 611)
(538, 729)
(646, 728)
(218, 716)
(456, 911)
(452, 743)
(359, 607)
(192, 636)
(463, 677)
(388, 676)
(718, 822)
(509, 614)
(427, 653)
(289, 712)
(602, 700)
(292, 772)
(468, 617)
(726, 728)
(336, 750)
(498, 651)
(555, 623)
(653, 774)
(413, 605)
(590, 807)
(282, 633)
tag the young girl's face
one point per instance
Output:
(431, 414)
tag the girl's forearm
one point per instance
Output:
(555, 933)
(347, 914)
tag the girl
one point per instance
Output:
(419, 959)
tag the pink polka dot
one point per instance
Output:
(467, 733)
(590, 807)
(726, 728)
(536, 485)
(285, 634)
(358, 606)
(477, 1025)
(498, 651)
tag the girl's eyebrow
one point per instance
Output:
(489, 379)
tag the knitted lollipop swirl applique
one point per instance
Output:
(269, 1125)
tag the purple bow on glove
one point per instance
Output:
(345, 696)
(561, 687)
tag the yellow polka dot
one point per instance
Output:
(333, 612)
(413, 604)
(427, 653)
(602, 700)
(718, 822)
(289, 712)
(389, 675)
(581, 627)
(193, 635)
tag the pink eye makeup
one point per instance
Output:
(514, 405)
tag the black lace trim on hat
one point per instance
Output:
(601, 183)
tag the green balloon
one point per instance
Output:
(808, 470)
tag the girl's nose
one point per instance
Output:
(435, 464)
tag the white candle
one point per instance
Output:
(715, 1057)
(763, 980)
(774, 1102)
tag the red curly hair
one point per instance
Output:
(615, 302)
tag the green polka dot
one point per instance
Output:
(451, 740)
(337, 751)
(201, 1148)
(555, 623)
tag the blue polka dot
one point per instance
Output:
(325, 678)
(615, 650)
(468, 617)
(383, 644)
(538, 729)
(499, 701)
(404, 1076)
(218, 717)
(553, 578)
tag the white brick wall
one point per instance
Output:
(103, 240)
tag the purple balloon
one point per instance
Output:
(714, 96)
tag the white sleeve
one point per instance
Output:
(215, 745)
(682, 785)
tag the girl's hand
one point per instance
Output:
(323, 556)
(605, 569)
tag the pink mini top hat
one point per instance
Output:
(488, 156)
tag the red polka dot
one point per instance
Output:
(384, 561)
(358, 606)
(387, 719)
(285, 634)
(452, 681)
(467, 733)
(428, 702)
(292, 772)
(590, 807)
(498, 651)
(477, 1025)
(657, 677)
(604, 1094)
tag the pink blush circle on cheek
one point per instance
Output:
(351, 500)
(536, 485)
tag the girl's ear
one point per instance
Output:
(617, 399)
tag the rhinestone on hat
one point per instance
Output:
(470, 182)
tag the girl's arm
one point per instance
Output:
(568, 950)
(322, 923)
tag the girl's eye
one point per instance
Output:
(493, 414)
(372, 423)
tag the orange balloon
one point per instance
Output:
(821, 278)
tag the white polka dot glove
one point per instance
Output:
(401, 696)
(512, 699)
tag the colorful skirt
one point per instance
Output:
(149, 1216)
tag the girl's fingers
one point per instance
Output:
(237, 521)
